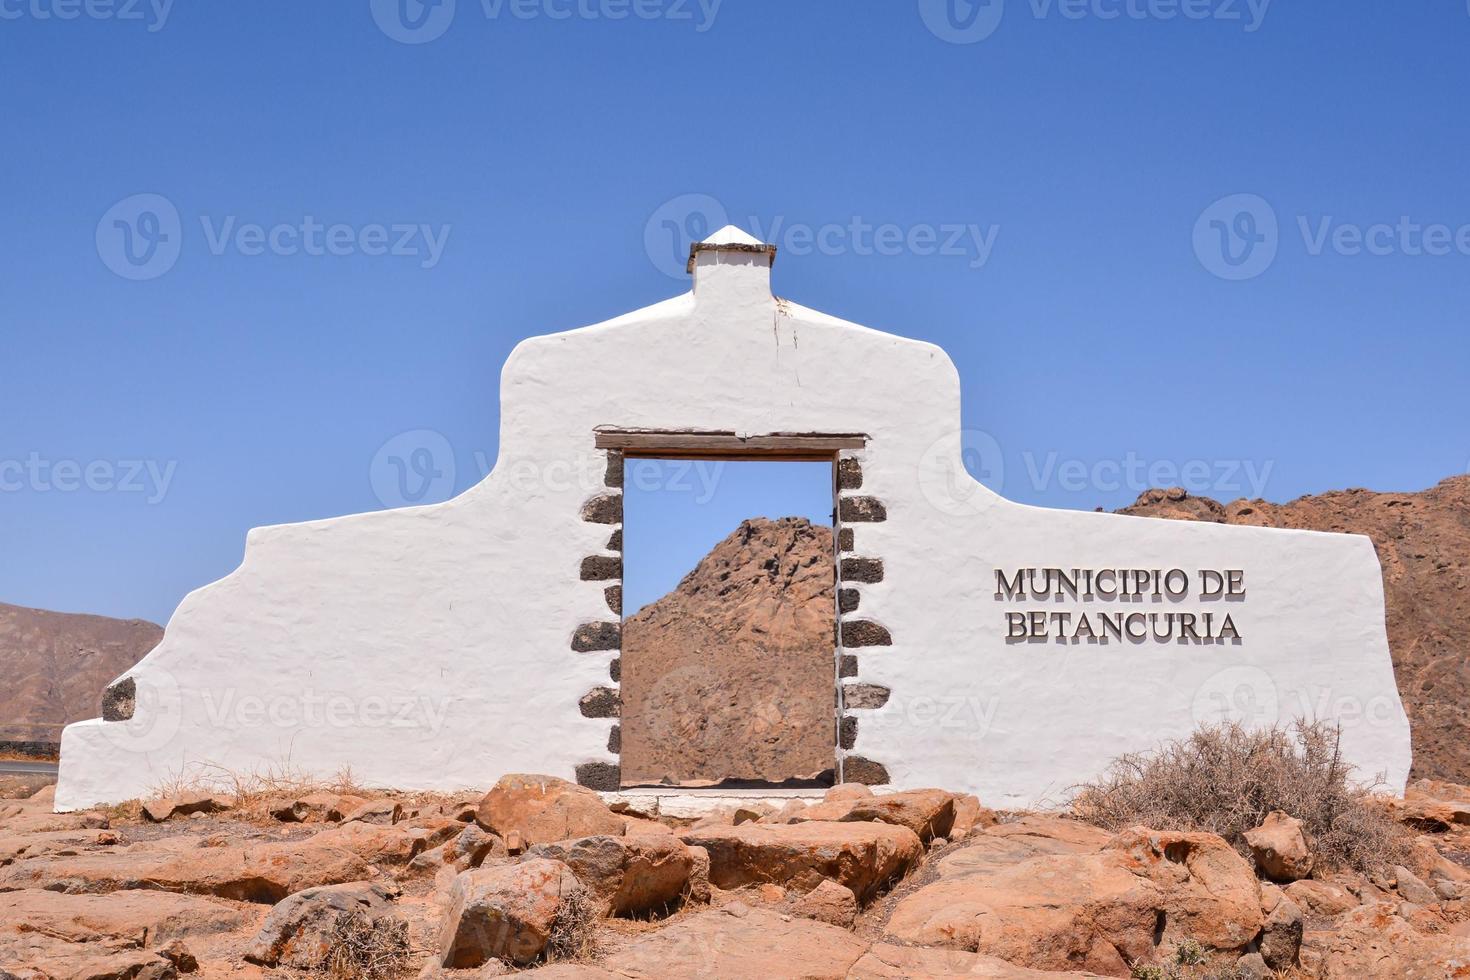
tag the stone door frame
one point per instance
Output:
(841, 450)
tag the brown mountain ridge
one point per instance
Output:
(57, 664)
(1423, 543)
(731, 676)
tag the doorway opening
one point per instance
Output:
(728, 661)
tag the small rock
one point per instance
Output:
(473, 846)
(847, 791)
(1251, 966)
(938, 842)
(773, 894)
(384, 813)
(1281, 938)
(162, 809)
(750, 814)
(1279, 847)
(178, 954)
(1411, 888)
(699, 886)
(831, 903)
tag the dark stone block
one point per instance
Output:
(615, 543)
(856, 769)
(604, 509)
(615, 740)
(865, 695)
(847, 731)
(862, 510)
(847, 600)
(614, 596)
(847, 666)
(849, 474)
(601, 568)
(865, 633)
(614, 477)
(615, 669)
(868, 570)
(844, 539)
(119, 699)
(601, 702)
(601, 776)
(591, 637)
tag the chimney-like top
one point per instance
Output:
(731, 239)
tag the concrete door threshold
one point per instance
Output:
(678, 801)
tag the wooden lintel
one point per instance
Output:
(725, 445)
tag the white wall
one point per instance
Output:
(428, 648)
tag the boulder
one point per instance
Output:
(505, 913)
(1321, 897)
(1371, 941)
(831, 903)
(244, 872)
(863, 856)
(299, 931)
(1411, 888)
(473, 846)
(740, 942)
(1211, 894)
(629, 875)
(929, 813)
(640, 827)
(1281, 937)
(161, 809)
(41, 957)
(1052, 912)
(461, 808)
(970, 816)
(542, 809)
(1279, 846)
(1072, 902)
(393, 846)
(847, 791)
(122, 916)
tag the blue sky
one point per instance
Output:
(1119, 313)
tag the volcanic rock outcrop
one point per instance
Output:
(730, 676)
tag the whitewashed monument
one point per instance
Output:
(982, 645)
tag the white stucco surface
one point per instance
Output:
(428, 647)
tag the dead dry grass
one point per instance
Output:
(574, 933)
(253, 794)
(1226, 778)
(367, 948)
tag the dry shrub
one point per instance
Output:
(574, 933)
(366, 948)
(1226, 778)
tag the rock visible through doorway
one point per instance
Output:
(730, 676)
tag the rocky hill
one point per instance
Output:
(1423, 542)
(730, 675)
(56, 665)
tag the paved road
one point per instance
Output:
(46, 768)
